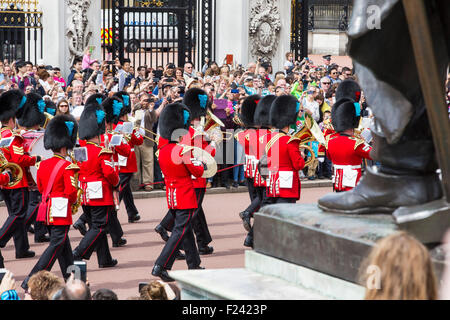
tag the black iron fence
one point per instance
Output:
(156, 32)
(21, 30)
(329, 14)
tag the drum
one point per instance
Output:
(34, 146)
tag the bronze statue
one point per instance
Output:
(397, 69)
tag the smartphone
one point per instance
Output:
(109, 62)
(229, 59)
(83, 269)
(141, 285)
(3, 272)
(169, 79)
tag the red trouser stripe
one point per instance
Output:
(181, 237)
(54, 253)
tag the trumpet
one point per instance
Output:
(77, 204)
(48, 117)
(212, 128)
(14, 168)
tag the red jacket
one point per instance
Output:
(129, 165)
(249, 140)
(99, 167)
(15, 153)
(123, 150)
(197, 139)
(284, 162)
(64, 186)
(177, 167)
(346, 153)
(262, 136)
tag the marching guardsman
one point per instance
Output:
(97, 179)
(249, 141)
(284, 159)
(261, 121)
(345, 150)
(56, 181)
(32, 118)
(15, 197)
(197, 101)
(178, 165)
(128, 165)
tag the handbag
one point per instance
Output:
(43, 206)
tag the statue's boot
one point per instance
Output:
(378, 192)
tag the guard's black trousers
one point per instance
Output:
(126, 195)
(114, 228)
(40, 229)
(58, 249)
(181, 233)
(199, 224)
(95, 238)
(16, 201)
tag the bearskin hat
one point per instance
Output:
(247, 110)
(113, 107)
(343, 115)
(197, 101)
(174, 116)
(10, 102)
(95, 98)
(61, 132)
(32, 112)
(126, 102)
(92, 122)
(283, 111)
(50, 107)
(349, 89)
(262, 112)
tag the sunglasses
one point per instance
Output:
(63, 105)
(326, 82)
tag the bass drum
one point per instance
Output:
(34, 146)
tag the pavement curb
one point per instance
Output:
(221, 190)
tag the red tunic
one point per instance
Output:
(129, 165)
(99, 167)
(64, 186)
(346, 153)
(177, 167)
(249, 140)
(123, 150)
(197, 139)
(262, 136)
(15, 153)
(284, 163)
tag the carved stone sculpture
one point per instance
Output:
(264, 27)
(78, 29)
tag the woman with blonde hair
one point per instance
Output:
(399, 267)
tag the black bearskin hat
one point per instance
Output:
(197, 101)
(284, 110)
(10, 102)
(113, 107)
(50, 107)
(126, 102)
(32, 112)
(349, 89)
(61, 132)
(247, 110)
(92, 121)
(174, 116)
(343, 115)
(262, 112)
(95, 98)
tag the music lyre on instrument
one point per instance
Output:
(34, 145)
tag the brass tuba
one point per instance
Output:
(77, 203)
(212, 128)
(14, 168)
(310, 132)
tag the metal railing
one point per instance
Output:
(329, 14)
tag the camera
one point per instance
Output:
(116, 80)
(169, 99)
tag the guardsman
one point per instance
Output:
(98, 179)
(249, 140)
(263, 133)
(31, 120)
(16, 197)
(197, 102)
(284, 158)
(128, 165)
(56, 181)
(178, 165)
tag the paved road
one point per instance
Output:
(144, 245)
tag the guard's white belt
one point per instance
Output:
(338, 166)
(132, 149)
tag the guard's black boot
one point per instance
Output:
(80, 226)
(159, 271)
(162, 232)
(378, 192)
(245, 216)
(248, 242)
